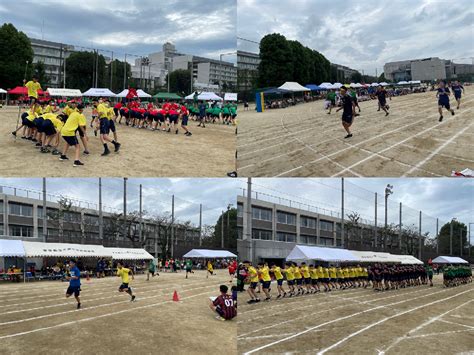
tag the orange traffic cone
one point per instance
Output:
(175, 296)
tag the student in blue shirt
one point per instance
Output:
(443, 99)
(74, 282)
(458, 89)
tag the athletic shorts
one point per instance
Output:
(48, 128)
(382, 103)
(314, 281)
(104, 126)
(444, 104)
(26, 122)
(116, 111)
(266, 284)
(112, 125)
(161, 117)
(290, 282)
(123, 113)
(123, 286)
(78, 130)
(38, 123)
(253, 285)
(32, 100)
(430, 277)
(173, 118)
(71, 140)
(184, 121)
(307, 281)
(188, 269)
(347, 118)
(73, 290)
(299, 281)
(280, 282)
(457, 96)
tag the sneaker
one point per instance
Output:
(14, 134)
(176, 132)
(29, 138)
(78, 306)
(133, 299)
(232, 174)
(386, 114)
(440, 119)
(348, 136)
(37, 145)
(279, 296)
(55, 152)
(106, 152)
(23, 137)
(86, 152)
(257, 300)
(95, 133)
(220, 318)
(251, 301)
(77, 163)
(117, 147)
(45, 150)
(63, 157)
(452, 112)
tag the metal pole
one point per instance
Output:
(101, 217)
(437, 236)
(451, 238)
(172, 226)
(248, 234)
(45, 213)
(64, 60)
(469, 235)
(140, 232)
(111, 72)
(228, 223)
(200, 224)
(222, 229)
(400, 229)
(460, 250)
(342, 212)
(125, 72)
(97, 69)
(124, 206)
(419, 238)
(375, 216)
(386, 213)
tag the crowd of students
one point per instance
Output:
(311, 278)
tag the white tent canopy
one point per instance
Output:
(337, 86)
(325, 86)
(37, 249)
(229, 96)
(205, 96)
(403, 82)
(209, 254)
(375, 84)
(129, 254)
(303, 252)
(203, 86)
(414, 82)
(11, 248)
(384, 84)
(407, 259)
(64, 92)
(3, 91)
(293, 86)
(449, 260)
(140, 93)
(97, 92)
(375, 257)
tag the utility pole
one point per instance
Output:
(125, 72)
(375, 217)
(124, 206)
(111, 70)
(172, 226)
(200, 224)
(140, 230)
(228, 222)
(437, 236)
(45, 212)
(342, 212)
(248, 205)
(419, 237)
(222, 229)
(400, 229)
(451, 236)
(101, 220)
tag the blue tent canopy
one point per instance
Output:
(313, 87)
(273, 91)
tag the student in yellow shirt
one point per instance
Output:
(51, 107)
(365, 277)
(277, 272)
(51, 128)
(111, 117)
(210, 269)
(332, 277)
(124, 273)
(33, 87)
(290, 278)
(253, 278)
(313, 272)
(104, 123)
(298, 279)
(306, 276)
(68, 132)
(326, 279)
(264, 273)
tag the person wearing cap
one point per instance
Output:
(68, 132)
(348, 112)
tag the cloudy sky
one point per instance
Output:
(437, 198)
(364, 34)
(200, 27)
(214, 194)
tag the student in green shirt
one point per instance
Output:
(189, 267)
(331, 98)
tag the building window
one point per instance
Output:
(262, 214)
(21, 231)
(308, 239)
(261, 234)
(1, 230)
(326, 241)
(239, 233)
(286, 218)
(1, 207)
(286, 237)
(308, 222)
(240, 210)
(21, 210)
(326, 226)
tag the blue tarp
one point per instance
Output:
(313, 87)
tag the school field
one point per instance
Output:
(304, 140)
(209, 151)
(36, 317)
(417, 320)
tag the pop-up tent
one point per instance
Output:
(167, 96)
(449, 260)
(64, 250)
(407, 259)
(64, 92)
(129, 254)
(293, 87)
(99, 92)
(313, 87)
(325, 86)
(11, 248)
(209, 254)
(384, 84)
(205, 96)
(22, 90)
(303, 252)
(3, 91)
(403, 82)
(375, 257)
(140, 93)
(230, 96)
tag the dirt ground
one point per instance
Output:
(36, 318)
(305, 141)
(209, 152)
(417, 320)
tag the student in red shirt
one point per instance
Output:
(224, 305)
(184, 113)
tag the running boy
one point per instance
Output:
(348, 112)
(443, 99)
(124, 273)
(74, 282)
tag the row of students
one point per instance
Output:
(456, 275)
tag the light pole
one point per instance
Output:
(388, 192)
(451, 236)
(469, 238)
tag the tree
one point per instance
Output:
(80, 69)
(180, 80)
(58, 217)
(381, 78)
(459, 232)
(276, 65)
(15, 49)
(356, 77)
(40, 71)
(351, 226)
(118, 72)
(230, 234)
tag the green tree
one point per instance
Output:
(80, 69)
(40, 71)
(15, 49)
(459, 233)
(276, 65)
(180, 80)
(230, 233)
(381, 78)
(117, 68)
(356, 77)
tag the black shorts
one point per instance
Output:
(280, 282)
(161, 117)
(314, 281)
(73, 290)
(112, 125)
(266, 284)
(290, 282)
(32, 100)
(38, 123)
(123, 287)
(71, 140)
(48, 128)
(173, 118)
(383, 103)
(299, 281)
(26, 122)
(253, 285)
(78, 130)
(457, 96)
(444, 104)
(347, 118)
(307, 281)
(104, 126)
(116, 111)
(184, 121)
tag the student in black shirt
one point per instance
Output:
(348, 112)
